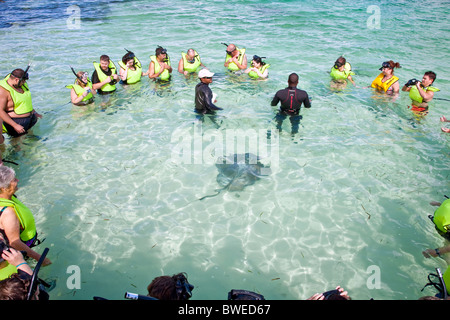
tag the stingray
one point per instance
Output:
(238, 171)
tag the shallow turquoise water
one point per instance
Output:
(351, 191)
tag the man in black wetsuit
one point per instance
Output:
(203, 94)
(291, 100)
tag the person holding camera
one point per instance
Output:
(421, 92)
(11, 260)
(16, 220)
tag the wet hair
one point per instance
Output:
(293, 78)
(128, 56)
(14, 288)
(174, 287)
(160, 50)
(394, 64)
(18, 73)
(341, 61)
(104, 57)
(258, 60)
(7, 175)
(431, 75)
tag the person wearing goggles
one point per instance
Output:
(235, 59)
(81, 92)
(159, 66)
(386, 81)
(258, 69)
(16, 109)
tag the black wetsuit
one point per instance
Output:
(95, 80)
(203, 99)
(291, 100)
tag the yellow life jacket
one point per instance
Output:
(26, 219)
(446, 277)
(191, 67)
(7, 271)
(383, 86)
(79, 90)
(252, 74)
(102, 76)
(232, 66)
(22, 101)
(133, 76)
(442, 217)
(341, 75)
(414, 93)
(165, 75)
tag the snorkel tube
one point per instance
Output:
(441, 279)
(85, 83)
(34, 278)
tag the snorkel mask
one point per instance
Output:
(184, 288)
(79, 78)
(385, 64)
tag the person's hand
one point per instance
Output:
(447, 130)
(13, 256)
(443, 119)
(342, 292)
(37, 115)
(19, 128)
(116, 76)
(316, 296)
(429, 253)
(46, 262)
(185, 73)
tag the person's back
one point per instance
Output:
(291, 98)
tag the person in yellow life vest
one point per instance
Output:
(235, 59)
(421, 92)
(258, 69)
(386, 81)
(130, 69)
(159, 66)
(190, 62)
(340, 73)
(441, 220)
(16, 109)
(16, 220)
(105, 76)
(81, 92)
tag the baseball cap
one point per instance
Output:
(205, 73)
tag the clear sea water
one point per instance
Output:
(350, 192)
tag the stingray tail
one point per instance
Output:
(212, 195)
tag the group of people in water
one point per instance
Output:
(18, 233)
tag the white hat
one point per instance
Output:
(205, 73)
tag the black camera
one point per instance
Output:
(3, 247)
(411, 82)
